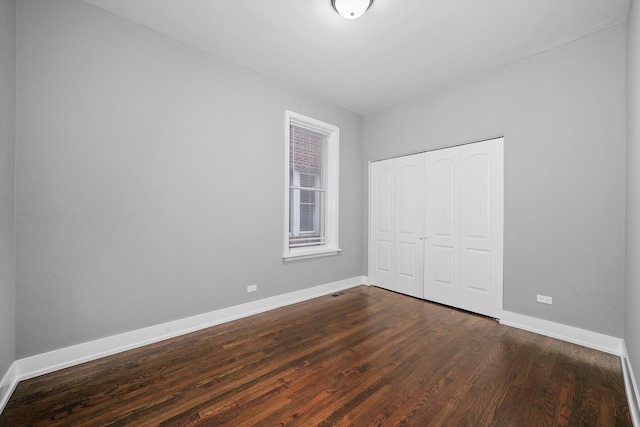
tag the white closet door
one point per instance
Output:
(437, 226)
(409, 248)
(382, 223)
(463, 227)
(442, 227)
(481, 227)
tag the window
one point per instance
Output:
(311, 196)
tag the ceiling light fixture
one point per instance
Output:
(351, 9)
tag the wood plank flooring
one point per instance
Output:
(366, 357)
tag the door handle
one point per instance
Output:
(423, 237)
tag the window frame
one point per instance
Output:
(332, 132)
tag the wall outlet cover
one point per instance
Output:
(544, 299)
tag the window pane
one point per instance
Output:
(307, 215)
(307, 180)
(307, 196)
(306, 157)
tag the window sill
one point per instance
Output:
(310, 253)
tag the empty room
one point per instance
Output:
(320, 212)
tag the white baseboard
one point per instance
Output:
(7, 385)
(631, 387)
(571, 334)
(45, 363)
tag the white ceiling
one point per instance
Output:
(398, 50)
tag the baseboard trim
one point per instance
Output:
(7, 385)
(631, 387)
(571, 334)
(44, 363)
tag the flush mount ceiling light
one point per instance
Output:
(351, 9)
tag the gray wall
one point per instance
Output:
(632, 319)
(150, 180)
(7, 183)
(563, 116)
(146, 168)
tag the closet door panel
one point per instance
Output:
(383, 223)
(442, 206)
(481, 227)
(409, 225)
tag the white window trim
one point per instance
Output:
(331, 199)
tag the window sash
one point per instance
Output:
(306, 168)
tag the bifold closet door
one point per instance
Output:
(397, 224)
(436, 226)
(463, 227)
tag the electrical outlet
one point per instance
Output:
(544, 299)
(252, 288)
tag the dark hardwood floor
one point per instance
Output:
(366, 357)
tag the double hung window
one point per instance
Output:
(311, 187)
